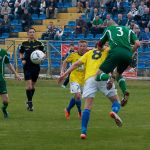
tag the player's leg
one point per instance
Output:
(107, 67)
(78, 103)
(29, 95)
(28, 80)
(89, 91)
(115, 109)
(69, 107)
(5, 105)
(112, 95)
(34, 77)
(122, 84)
(121, 67)
(4, 95)
(86, 116)
(76, 90)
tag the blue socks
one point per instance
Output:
(78, 104)
(71, 104)
(85, 120)
(74, 102)
(115, 106)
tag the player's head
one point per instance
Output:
(71, 46)
(111, 23)
(82, 47)
(31, 33)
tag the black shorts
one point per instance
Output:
(31, 74)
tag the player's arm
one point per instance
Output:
(63, 67)
(103, 40)
(65, 62)
(10, 66)
(134, 41)
(69, 70)
(136, 45)
(21, 53)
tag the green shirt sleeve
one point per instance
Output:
(105, 37)
(133, 37)
(6, 60)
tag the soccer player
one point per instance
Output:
(71, 50)
(4, 59)
(91, 61)
(31, 71)
(123, 42)
(76, 78)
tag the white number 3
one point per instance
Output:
(120, 31)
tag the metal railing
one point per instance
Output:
(51, 65)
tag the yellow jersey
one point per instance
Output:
(92, 60)
(76, 75)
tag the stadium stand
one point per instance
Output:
(67, 17)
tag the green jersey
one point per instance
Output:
(3, 60)
(119, 36)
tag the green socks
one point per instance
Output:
(102, 77)
(122, 84)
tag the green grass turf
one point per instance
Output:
(46, 128)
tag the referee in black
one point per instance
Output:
(31, 71)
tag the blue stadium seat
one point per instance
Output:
(143, 58)
(5, 35)
(141, 65)
(147, 50)
(35, 16)
(140, 49)
(15, 22)
(19, 63)
(18, 28)
(67, 30)
(67, 4)
(70, 37)
(98, 36)
(89, 37)
(147, 65)
(44, 64)
(42, 16)
(80, 37)
(72, 23)
(60, 5)
(55, 64)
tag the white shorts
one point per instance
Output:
(75, 87)
(91, 87)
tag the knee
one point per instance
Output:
(5, 98)
(78, 96)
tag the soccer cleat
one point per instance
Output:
(83, 136)
(5, 113)
(67, 114)
(116, 118)
(80, 115)
(29, 106)
(63, 86)
(125, 99)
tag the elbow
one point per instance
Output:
(137, 43)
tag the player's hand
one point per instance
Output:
(23, 62)
(18, 77)
(60, 79)
(62, 73)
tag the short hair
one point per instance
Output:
(31, 28)
(82, 41)
(71, 44)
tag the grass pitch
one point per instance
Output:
(47, 129)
